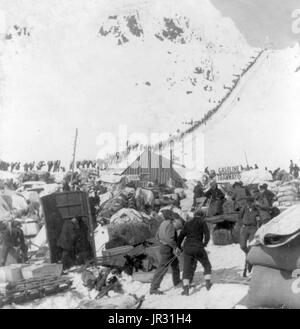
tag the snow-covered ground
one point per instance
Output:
(227, 262)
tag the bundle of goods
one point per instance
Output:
(276, 259)
(26, 290)
(15, 201)
(17, 272)
(177, 212)
(285, 257)
(133, 227)
(115, 302)
(256, 176)
(144, 198)
(168, 199)
(181, 193)
(5, 211)
(44, 176)
(113, 205)
(281, 229)
(273, 288)
(287, 193)
(30, 227)
(105, 197)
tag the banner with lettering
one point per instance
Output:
(229, 174)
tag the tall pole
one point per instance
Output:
(74, 154)
(246, 159)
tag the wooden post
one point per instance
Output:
(91, 228)
(246, 160)
(74, 154)
(149, 161)
(160, 162)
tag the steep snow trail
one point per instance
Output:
(264, 123)
(237, 93)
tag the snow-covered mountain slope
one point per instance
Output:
(95, 64)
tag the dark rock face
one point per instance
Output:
(126, 27)
(172, 31)
(122, 28)
(17, 32)
(134, 27)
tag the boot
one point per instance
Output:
(178, 284)
(208, 284)
(249, 268)
(185, 291)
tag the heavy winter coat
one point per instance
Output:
(196, 233)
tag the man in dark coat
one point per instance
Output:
(240, 194)
(198, 193)
(196, 235)
(94, 200)
(248, 218)
(12, 239)
(167, 235)
(262, 205)
(66, 186)
(269, 195)
(67, 241)
(216, 198)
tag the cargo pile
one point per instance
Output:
(276, 259)
(287, 193)
(21, 283)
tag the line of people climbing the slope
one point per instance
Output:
(119, 156)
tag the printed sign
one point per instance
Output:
(133, 177)
(228, 174)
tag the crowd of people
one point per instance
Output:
(254, 207)
(50, 166)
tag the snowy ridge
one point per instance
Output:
(175, 65)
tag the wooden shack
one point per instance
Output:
(152, 167)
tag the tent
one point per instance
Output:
(256, 176)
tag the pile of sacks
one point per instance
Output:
(123, 199)
(132, 227)
(287, 193)
(275, 280)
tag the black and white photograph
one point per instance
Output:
(149, 157)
